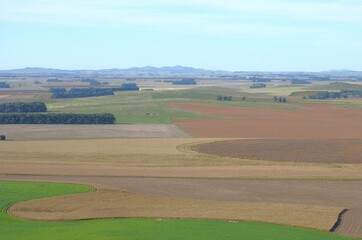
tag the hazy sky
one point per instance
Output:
(310, 35)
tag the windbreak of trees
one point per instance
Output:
(4, 85)
(55, 118)
(354, 93)
(127, 87)
(300, 81)
(260, 80)
(279, 99)
(57, 90)
(329, 95)
(185, 81)
(224, 98)
(258, 85)
(54, 80)
(91, 81)
(83, 92)
(23, 107)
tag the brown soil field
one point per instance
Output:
(333, 193)
(314, 121)
(291, 150)
(113, 165)
(351, 223)
(112, 204)
(38, 132)
(152, 157)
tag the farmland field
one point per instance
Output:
(148, 169)
(39, 131)
(151, 157)
(291, 150)
(338, 123)
(11, 228)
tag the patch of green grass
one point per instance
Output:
(152, 107)
(127, 229)
(209, 96)
(283, 90)
(337, 86)
(128, 107)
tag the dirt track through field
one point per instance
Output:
(45, 132)
(314, 121)
(290, 150)
(343, 194)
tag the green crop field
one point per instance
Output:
(337, 86)
(127, 229)
(151, 107)
(282, 90)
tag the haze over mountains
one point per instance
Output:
(108, 72)
(150, 71)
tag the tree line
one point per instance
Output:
(91, 92)
(224, 98)
(335, 95)
(4, 85)
(185, 81)
(56, 118)
(80, 92)
(279, 99)
(127, 87)
(258, 85)
(23, 107)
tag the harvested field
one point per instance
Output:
(305, 192)
(314, 121)
(150, 157)
(38, 132)
(314, 151)
(351, 223)
(18, 95)
(312, 204)
(112, 204)
(126, 228)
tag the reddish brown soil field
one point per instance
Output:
(314, 121)
(321, 151)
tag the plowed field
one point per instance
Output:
(314, 121)
(313, 151)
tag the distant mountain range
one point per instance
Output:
(171, 72)
(148, 70)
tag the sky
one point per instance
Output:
(235, 35)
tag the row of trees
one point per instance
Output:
(91, 81)
(258, 85)
(185, 81)
(23, 107)
(91, 92)
(224, 98)
(127, 87)
(54, 80)
(279, 99)
(4, 85)
(328, 95)
(80, 92)
(52, 118)
(300, 81)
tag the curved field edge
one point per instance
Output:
(11, 228)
